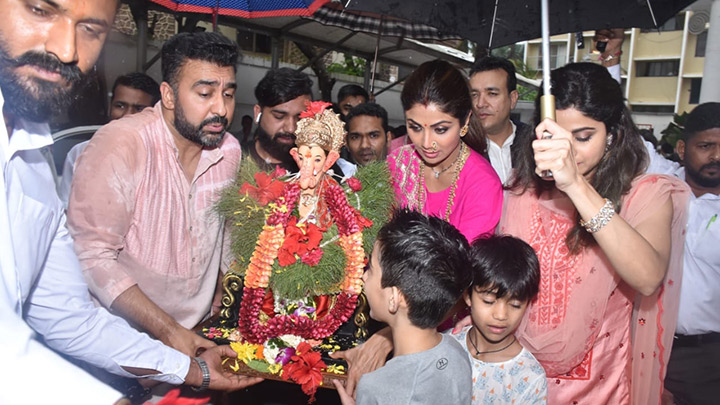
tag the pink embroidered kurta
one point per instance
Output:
(477, 205)
(136, 219)
(579, 326)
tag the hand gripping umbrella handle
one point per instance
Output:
(547, 110)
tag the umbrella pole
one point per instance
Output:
(375, 58)
(492, 28)
(547, 100)
(215, 15)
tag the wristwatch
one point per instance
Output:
(205, 374)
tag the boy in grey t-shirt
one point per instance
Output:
(417, 272)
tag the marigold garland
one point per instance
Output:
(260, 267)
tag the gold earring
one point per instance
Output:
(464, 131)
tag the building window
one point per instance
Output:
(245, 40)
(557, 56)
(664, 109)
(676, 23)
(658, 68)
(252, 42)
(695, 85)
(700, 45)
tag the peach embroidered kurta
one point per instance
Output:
(136, 219)
(579, 326)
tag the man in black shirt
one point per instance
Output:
(281, 96)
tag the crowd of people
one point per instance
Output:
(597, 285)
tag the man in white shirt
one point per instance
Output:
(45, 49)
(368, 136)
(493, 87)
(693, 374)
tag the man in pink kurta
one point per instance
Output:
(141, 208)
(137, 220)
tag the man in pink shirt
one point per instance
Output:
(141, 208)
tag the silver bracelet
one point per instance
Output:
(205, 374)
(600, 219)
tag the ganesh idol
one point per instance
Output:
(300, 243)
(300, 240)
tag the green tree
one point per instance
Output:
(674, 130)
(352, 65)
(527, 93)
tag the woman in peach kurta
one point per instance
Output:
(580, 326)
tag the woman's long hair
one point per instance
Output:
(590, 89)
(440, 83)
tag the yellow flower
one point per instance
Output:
(245, 351)
(274, 368)
(335, 369)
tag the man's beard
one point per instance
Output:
(269, 143)
(702, 180)
(35, 99)
(196, 134)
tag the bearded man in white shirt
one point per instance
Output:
(693, 374)
(46, 48)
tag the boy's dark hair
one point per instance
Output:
(506, 263)
(426, 258)
(282, 85)
(492, 63)
(139, 81)
(370, 109)
(703, 117)
(202, 46)
(352, 90)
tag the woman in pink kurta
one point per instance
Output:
(478, 197)
(581, 327)
(442, 172)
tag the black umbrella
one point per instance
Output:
(382, 25)
(373, 23)
(495, 23)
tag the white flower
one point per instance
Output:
(270, 352)
(291, 340)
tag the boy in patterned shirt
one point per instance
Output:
(506, 277)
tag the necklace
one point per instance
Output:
(458, 165)
(308, 199)
(478, 352)
(439, 172)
